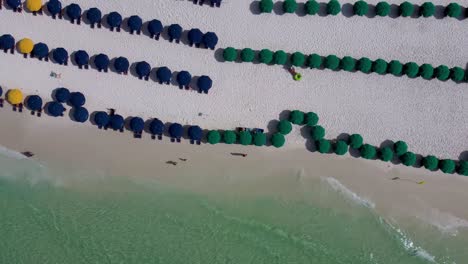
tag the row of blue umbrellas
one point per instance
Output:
(213, 3)
(135, 23)
(103, 62)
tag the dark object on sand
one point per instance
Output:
(239, 154)
(171, 162)
(182, 159)
(28, 154)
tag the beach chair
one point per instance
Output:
(192, 142)
(159, 137)
(172, 140)
(198, 142)
(121, 130)
(153, 137)
(14, 108)
(178, 140)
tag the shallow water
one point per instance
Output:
(46, 219)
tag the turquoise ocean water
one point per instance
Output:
(120, 220)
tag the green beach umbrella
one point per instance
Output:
(380, 66)
(457, 74)
(386, 154)
(230, 137)
(395, 67)
(297, 59)
(400, 148)
(426, 71)
(348, 63)
(247, 55)
(406, 9)
(360, 8)
(277, 140)
(463, 168)
(382, 9)
(442, 73)
(213, 137)
(289, 6)
(427, 9)
(355, 141)
(364, 65)
(312, 7)
(447, 166)
(453, 10)
(332, 62)
(430, 162)
(333, 7)
(340, 147)
(296, 117)
(259, 139)
(245, 138)
(284, 127)
(280, 57)
(311, 119)
(408, 159)
(315, 61)
(368, 151)
(265, 56)
(323, 146)
(230, 54)
(266, 6)
(411, 69)
(317, 132)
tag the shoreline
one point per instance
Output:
(67, 148)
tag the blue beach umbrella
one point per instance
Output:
(62, 95)
(121, 65)
(81, 58)
(1, 91)
(164, 75)
(7, 42)
(175, 32)
(210, 40)
(155, 28)
(40, 51)
(116, 122)
(195, 133)
(94, 16)
(55, 109)
(101, 119)
(60, 56)
(14, 4)
(184, 78)
(80, 114)
(156, 127)
(137, 124)
(204, 83)
(74, 12)
(216, 3)
(102, 62)
(54, 7)
(77, 99)
(143, 69)
(114, 20)
(34, 102)
(135, 23)
(195, 36)
(176, 130)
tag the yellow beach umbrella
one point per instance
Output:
(14, 96)
(34, 5)
(25, 45)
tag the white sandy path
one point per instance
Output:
(430, 115)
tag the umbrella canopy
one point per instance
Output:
(156, 127)
(135, 23)
(121, 64)
(25, 46)
(245, 138)
(155, 27)
(80, 114)
(101, 119)
(14, 96)
(184, 78)
(210, 40)
(204, 83)
(77, 99)
(40, 50)
(143, 69)
(54, 7)
(55, 109)
(34, 102)
(60, 55)
(14, 3)
(101, 61)
(62, 95)
(116, 122)
(114, 19)
(213, 137)
(195, 36)
(164, 74)
(73, 11)
(137, 124)
(7, 42)
(175, 31)
(81, 58)
(176, 130)
(1, 91)
(195, 133)
(94, 15)
(34, 5)
(277, 140)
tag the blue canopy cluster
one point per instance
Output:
(114, 20)
(204, 84)
(73, 12)
(94, 16)
(14, 4)
(60, 56)
(195, 134)
(80, 114)
(55, 8)
(101, 119)
(82, 59)
(7, 42)
(135, 23)
(40, 51)
(116, 122)
(55, 109)
(196, 37)
(34, 103)
(176, 131)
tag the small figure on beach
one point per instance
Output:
(296, 76)
(181, 159)
(239, 154)
(417, 182)
(28, 154)
(55, 75)
(171, 162)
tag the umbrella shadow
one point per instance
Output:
(255, 8)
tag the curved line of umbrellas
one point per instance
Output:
(102, 63)
(114, 21)
(347, 63)
(397, 151)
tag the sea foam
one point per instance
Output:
(340, 188)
